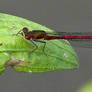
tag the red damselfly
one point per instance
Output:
(81, 39)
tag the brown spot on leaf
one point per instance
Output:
(15, 62)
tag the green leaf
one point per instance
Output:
(15, 51)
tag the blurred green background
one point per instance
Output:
(86, 87)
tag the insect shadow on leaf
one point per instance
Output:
(1, 44)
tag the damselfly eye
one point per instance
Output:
(25, 29)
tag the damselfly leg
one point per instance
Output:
(43, 45)
(36, 47)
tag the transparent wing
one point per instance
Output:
(85, 43)
(69, 33)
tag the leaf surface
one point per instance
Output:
(17, 51)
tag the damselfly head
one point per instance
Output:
(25, 30)
(25, 33)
